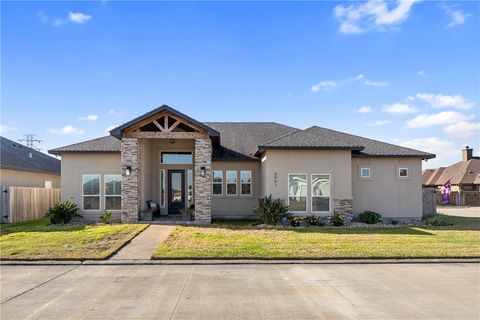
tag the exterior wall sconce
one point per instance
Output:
(172, 141)
(128, 170)
(202, 171)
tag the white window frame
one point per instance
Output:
(227, 183)
(400, 169)
(105, 195)
(369, 172)
(329, 197)
(250, 183)
(220, 183)
(288, 191)
(162, 179)
(93, 195)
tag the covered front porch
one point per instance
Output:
(166, 161)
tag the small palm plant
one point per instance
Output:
(270, 210)
(63, 212)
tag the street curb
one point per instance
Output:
(236, 262)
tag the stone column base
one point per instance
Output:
(345, 207)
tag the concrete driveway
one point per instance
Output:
(472, 212)
(389, 291)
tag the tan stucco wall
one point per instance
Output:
(237, 206)
(385, 192)
(19, 178)
(280, 163)
(75, 165)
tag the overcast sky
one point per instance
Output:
(401, 72)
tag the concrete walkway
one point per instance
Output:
(142, 246)
(471, 212)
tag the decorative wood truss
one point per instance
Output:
(165, 125)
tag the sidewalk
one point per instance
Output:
(141, 247)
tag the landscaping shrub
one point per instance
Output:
(296, 221)
(370, 217)
(270, 210)
(106, 217)
(187, 213)
(313, 221)
(436, 220)
(337, 219)
(63, 212)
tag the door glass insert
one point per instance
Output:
(176, 182)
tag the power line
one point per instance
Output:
(31, 141)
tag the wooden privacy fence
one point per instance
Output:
(23, 204)
(429, 201)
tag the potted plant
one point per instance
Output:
(187, 213)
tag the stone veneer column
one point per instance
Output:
(202, 185)
(345, 207)
(130, 184)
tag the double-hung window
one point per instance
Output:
(297, 192)
(320, 192)
(217, 182)
(113, 192)
(246, 182)
(91, 192)
(231, 183)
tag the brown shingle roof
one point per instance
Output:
(106, 144)
(463, 172)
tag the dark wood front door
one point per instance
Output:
(176, 191)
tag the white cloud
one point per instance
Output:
(373, 14)
(421, 74)
(4, 128)
(379, 123)
(461, 129)
(365, 109)
(457, 16)
(445, 101)
(73, 17)
(326, 85)
(445, 150)
(111, 128)
(399, 108)
(78, 17)
(359, 77)
(67, 130)
(427, 120)
(371, 83)
(91, 117)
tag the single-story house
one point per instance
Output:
(21, 166)
(223, 168)
(464, 177)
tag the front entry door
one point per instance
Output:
(176, 191)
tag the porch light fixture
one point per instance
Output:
(128, 170)
(172, 141)
(202, 171)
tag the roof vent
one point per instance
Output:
(30, 155)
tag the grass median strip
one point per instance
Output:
(236, 241)
(37, 240)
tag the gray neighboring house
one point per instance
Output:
(222, 168)
(21, 166)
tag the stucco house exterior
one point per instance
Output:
(21, 166)
(222, 168)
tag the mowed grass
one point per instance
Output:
(240, 241)
(37, 240)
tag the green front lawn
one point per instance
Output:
(37, 240)
(241, 241)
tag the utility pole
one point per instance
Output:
(31, 141)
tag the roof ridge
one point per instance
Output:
(370, 139)
(281, 137)
(74, 144)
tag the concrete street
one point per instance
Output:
(471, 212)
(336, 291)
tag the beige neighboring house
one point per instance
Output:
(464, 177)
(223, 168)
(21, 166)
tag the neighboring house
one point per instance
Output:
(464, 177)
(21, 166)
(222, 168)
